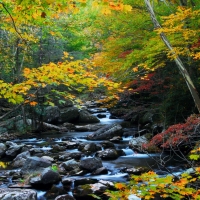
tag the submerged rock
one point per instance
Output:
(17, 194)
(86, 117)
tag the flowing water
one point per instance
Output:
(115, 167)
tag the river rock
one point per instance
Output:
(64, 197)
(47, 177)
(84, 181)
(57, 147)
(101, 115)
(84, 191)
(86, 117)
(71, 145)
(88, 127)
(70, 165)
(89, 148)
(70, 155)
(116, 139)
(34, 164)
(17, 194)
(69, 114)
(107, 132)
(51, 114)
(67, 181)
(91, 164)
(20, 159)
(48, 158)
(136, 143)
(69, 126)
(2, 149)
(55, 191)
(99, 171)
(107, 145)
(108, 154)
(13, 149)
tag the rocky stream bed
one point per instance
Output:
(87, 159)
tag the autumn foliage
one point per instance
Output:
(178, 136)
(149, 184)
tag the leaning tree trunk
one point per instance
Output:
(177, 59)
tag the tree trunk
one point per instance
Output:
(178, 61)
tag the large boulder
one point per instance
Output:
(107, 132)
(47, 177)
(13, 149)
(108, 154)
(91, 164)
(70, 165)
(51, 114)
(69, 114)
(20, 159)
(50, 176)
(17, 194)
(34, 164)
(86, 117)
(136, 143)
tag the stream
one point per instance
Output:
(115, 167)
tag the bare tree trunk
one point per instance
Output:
(177, 59)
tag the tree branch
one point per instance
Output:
(13, 22)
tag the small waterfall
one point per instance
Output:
(128, 151)
(72, 187)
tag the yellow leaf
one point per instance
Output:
(95, 4)
(135, 69)
(82, 1)
(52, 33)
(66, 54)
(127, 8)
(164, 195)
(106, 11)
(49, 1)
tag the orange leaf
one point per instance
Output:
(33, 103)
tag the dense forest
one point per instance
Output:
(138, 54)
